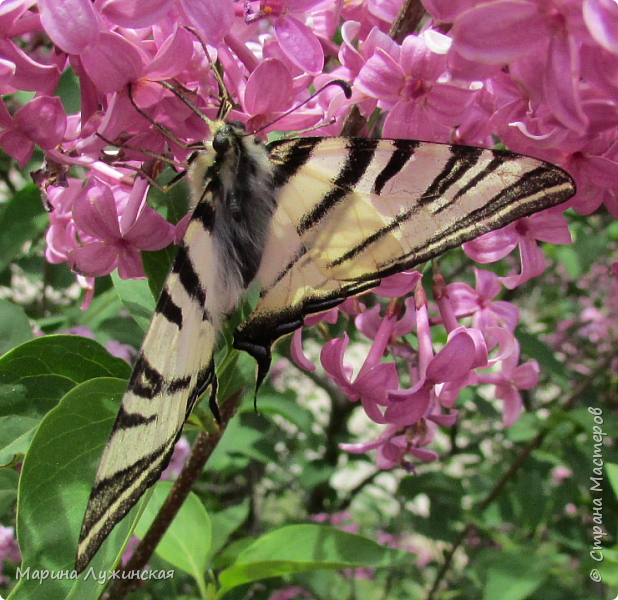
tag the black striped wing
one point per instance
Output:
(173, 368)
(351, 211)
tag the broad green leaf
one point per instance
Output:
(187, 543)
(15, 327)
(137, 298)
(22, 219)
(513, 575)
(35, 375)
(54, 488)
(301, 548)
(226, 521)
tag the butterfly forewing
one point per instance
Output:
(357, 210)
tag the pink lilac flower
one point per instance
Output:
(508, 383)
(547, 226)
(106, 246)
(420, 106)
(480, 303)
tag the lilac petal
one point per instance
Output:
(369, 321)
(29, 74)
(454, 360)
(16, 145)
(507, 313)
(297, 354)
(509, 348)
(387, 460)
(499, 32)
(130, 264)
(94, 259)
(151, 231)
(112, 62)
(172, 57)
(135, 13)
(424, 455)
(412, 120)
(532, 264)
(95, 213)
(464, 300)
(375, 383)
(71, 24)
(448, 102)
(385, 10)
(398, 285)
(444, 420)
(447, 10)
(362, 447)
(487, 284)
(550, 227)
(408, 406)
(562, 85)
(331, 358)
(418, 62)
(269, 88)
(601, 17)
(379, 39)
(213, 19)
(300, 45)
(390, 453)
(492, 246)
(526, 376)
(43, 120)
(301, 6)
(512, 404)
(10, 11)
(381, 77)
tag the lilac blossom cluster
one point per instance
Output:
(540, 75)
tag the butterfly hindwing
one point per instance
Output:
(173, 366)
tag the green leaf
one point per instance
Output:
(15, 327)
(187, 543)
(22, 219)
(226, 521)
(301, 548)
(54, 488)
(37, 374)
(513, 575)
(137, 298)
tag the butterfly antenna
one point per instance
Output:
(227, 103)
(344, 85)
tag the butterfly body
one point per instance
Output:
(315, 220)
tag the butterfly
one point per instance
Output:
(314, 220)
